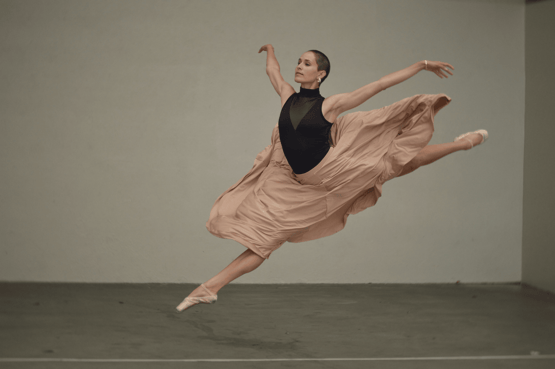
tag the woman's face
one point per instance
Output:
(307, 69)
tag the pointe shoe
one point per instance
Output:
(190, 301)
(483, 132)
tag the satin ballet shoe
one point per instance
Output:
(190, 301)
(483, 132)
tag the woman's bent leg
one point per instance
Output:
(244, 263)
(431, 153)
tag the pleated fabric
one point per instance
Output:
(271, 204)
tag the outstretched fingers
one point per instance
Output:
(443, 67)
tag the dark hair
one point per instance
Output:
(323, 63)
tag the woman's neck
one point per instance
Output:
(310, 86)
(307, 92)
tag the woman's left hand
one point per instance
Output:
(439, 67)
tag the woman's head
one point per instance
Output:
(323, 63)
(312, 65)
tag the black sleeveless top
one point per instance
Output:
(303, 130)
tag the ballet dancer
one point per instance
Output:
(321, 167)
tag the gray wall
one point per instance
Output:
(123, 121)
(538, 241)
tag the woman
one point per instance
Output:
(319, 168)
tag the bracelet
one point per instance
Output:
(426, 64)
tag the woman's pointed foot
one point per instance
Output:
(210, 298)
(473, 138)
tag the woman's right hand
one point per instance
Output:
(265, 48)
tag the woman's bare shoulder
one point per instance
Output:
(286, 91)
(328, 107)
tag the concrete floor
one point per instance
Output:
(390, 322)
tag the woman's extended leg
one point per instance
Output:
(244, 263)
(431, 153)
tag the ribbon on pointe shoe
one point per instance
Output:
(190, 301)
(210, 292)
(482, 132)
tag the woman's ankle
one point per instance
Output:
(212, 287)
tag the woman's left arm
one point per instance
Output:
(348, 101)
(404, 74)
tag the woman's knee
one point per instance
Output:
(411, 166)
(255, 258)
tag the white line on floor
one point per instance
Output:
(505, 357)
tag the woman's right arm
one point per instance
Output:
(273, 71)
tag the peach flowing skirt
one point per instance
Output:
(271, 204)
